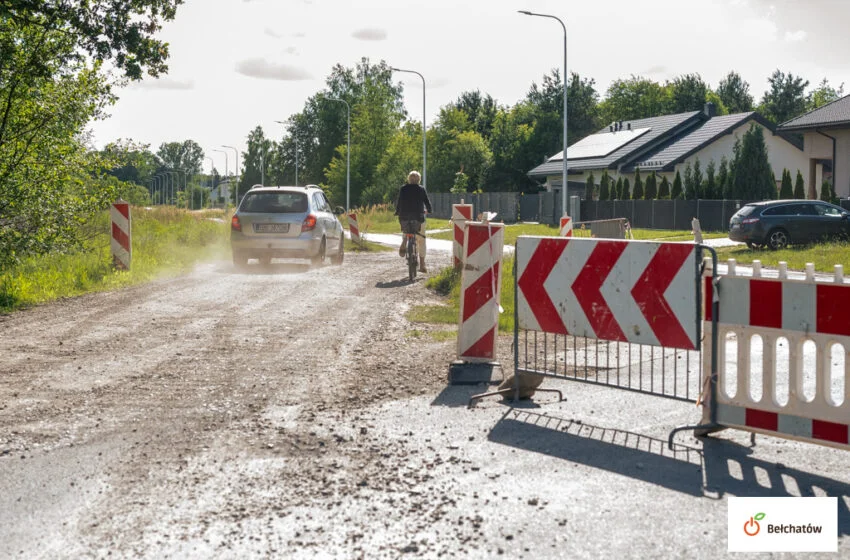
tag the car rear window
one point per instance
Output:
(746, 210)
(275, 203)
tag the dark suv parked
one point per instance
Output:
(778, 223)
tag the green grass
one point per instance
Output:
(166, 242)
(447, 283)
(381, 219)
(365, 247)
(823, 255)
(512, 231)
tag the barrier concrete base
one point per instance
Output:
(469, 373)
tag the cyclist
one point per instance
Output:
(413, 204)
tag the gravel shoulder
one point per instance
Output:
(288, 412)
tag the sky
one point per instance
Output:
(237, 64)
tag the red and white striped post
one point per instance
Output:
(353, 228)
(121, 231)
(479, 296)
(460, 214)
(566, 226)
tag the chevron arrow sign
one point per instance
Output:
(629, 291)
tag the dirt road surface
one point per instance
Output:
(293, 412)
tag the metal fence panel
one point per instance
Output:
(585, 323)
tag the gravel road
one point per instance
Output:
(293, 412)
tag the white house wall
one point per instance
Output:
(818, 146)
(781, 154)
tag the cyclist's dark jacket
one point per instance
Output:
(411, 203)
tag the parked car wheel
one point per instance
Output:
(319, 258)
(777, 239)
(338, 258)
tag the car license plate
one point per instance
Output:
(271, 228)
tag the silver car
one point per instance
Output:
(286, 222)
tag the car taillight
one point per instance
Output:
(750, 221)
(234, 223)
(309, 223)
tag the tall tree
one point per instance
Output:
(698, 178)
(480, 109)
(786, 191)
(734, 92)
(799, 187)
(634, 98)
(752, 175)
(255, 161)
(823, 94)
(626, 194)
(688, 93)
(786, 97)
(618, 190)
(582, 108)
(511, 159)
(186, 155)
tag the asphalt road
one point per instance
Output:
(294, 412)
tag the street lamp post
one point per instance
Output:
(212, 173)
(295, 140)
(424, 135)
(226, 170)
(235, 151)
(348, 154)
(171, 174)
(564, 170)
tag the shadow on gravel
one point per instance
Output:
(719, 454)
(396, 283)
(725, 467)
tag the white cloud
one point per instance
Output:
(370, 34)
(265, 70)
(794, 36)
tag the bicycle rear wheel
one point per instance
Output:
(411, 258)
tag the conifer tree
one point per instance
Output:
(723, 178)
(637, 193)
(618, 190)
(697, 181)
(626, 193)
(589, 188)
(709, 189)
(664, 188)
(676, 191)
(799, 187)
(651, 187)
(785, 191)
(689, 192)
(604, 187)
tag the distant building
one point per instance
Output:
(666, 145)
(826, 145)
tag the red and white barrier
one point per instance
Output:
(479, 297)
(566, 226)
(122, 251)
(771, 326)
(628, 291)
(353, 228)
(461, 213)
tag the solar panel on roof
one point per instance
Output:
(602, 144)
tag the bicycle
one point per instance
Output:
(410, 229)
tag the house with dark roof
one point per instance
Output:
(826, 145)
(666, 145)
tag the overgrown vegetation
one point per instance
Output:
(166, 241)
